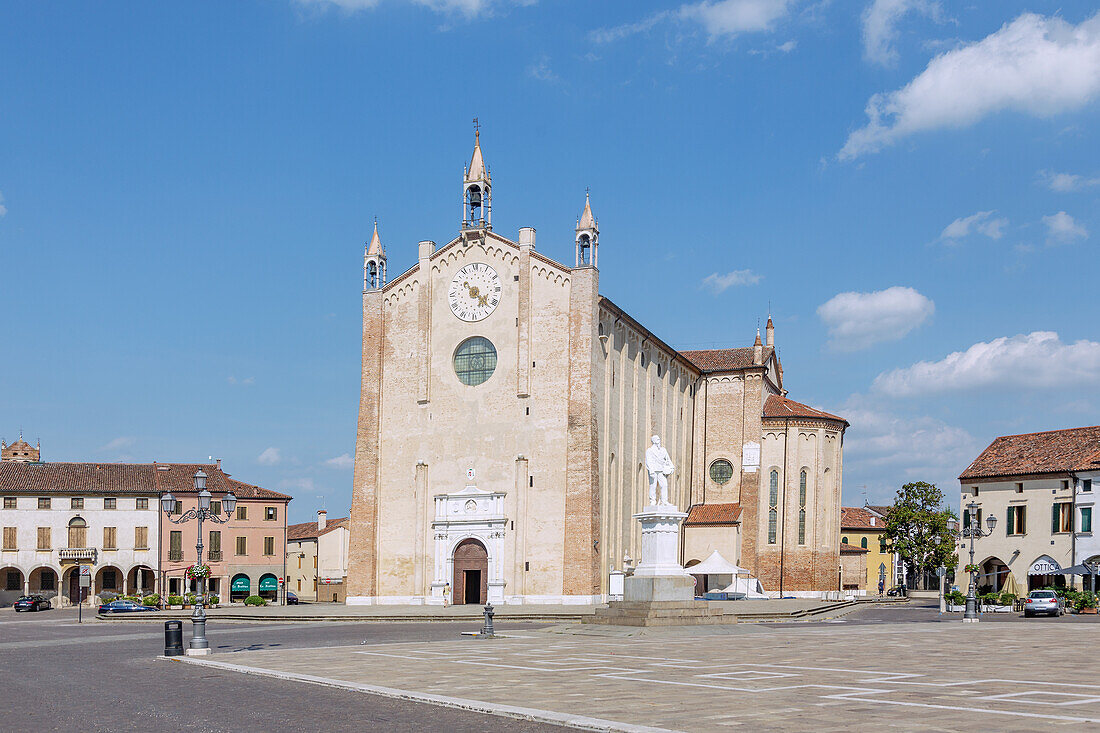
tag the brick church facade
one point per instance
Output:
(505, 409)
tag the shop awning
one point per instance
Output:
(240, 584)
(716, 565)
(269, 582)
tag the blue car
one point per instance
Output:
(124, 607)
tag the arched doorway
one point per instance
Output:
(141, 580)
(239, 588)
(11, 584)
(1045, 571)
(269, 587)
(993, 574)
(108, 580)
(471, 573)
(71, 585)
(43, 581)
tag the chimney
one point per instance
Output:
(322, 519)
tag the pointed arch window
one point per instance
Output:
(802, 507)
(773, 506)
(372, 275)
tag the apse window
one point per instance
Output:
(721, 471)
(475, 361)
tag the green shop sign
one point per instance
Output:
(240, 583)
(269, 582)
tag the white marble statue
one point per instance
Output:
(659, 465)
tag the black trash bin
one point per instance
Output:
(173, 638)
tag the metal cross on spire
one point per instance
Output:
(477, 126)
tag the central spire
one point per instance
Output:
(477, 186)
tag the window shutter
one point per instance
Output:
(1022, 524)
(1009, 528)
(1053, 518)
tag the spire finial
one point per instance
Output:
(477, 130)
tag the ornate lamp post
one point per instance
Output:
(970, 615)
(199, 644)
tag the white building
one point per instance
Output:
(317, 558)
(1040, 488)
(56, 516)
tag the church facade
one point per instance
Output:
(505, 411)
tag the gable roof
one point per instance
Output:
(777, 406)
(724, 360)
(1052, 451)
(713, 514)
(309, 531)
(121, 478)
(77, 478)
(856, 517)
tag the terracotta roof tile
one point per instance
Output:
(121, 478)
(1053, 451)
(308, 530)
(846, 549)
(82, 478)
(713, 514)
(777, 406)
(857, 517)
(723, 360)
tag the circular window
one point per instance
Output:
(475, 360)
(721, 471)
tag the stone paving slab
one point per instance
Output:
(907, 676)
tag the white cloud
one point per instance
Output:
(979, 223)
(3, 209)
(344, 460)
(269, 457)
(787, 47)
(468, 8)
(246, 382)
(859, 320)
(1066, 182)
(880, 21)
(541, 70)
(118, 444)
(734, 17)
(716, 17)
(1062, 228)
(303, 484)
(719, 283)
(1034, 360)
(886, 449)
(1037, 65)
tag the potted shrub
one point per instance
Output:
(212, 601)
(955, 600)
(151, 600)
(175, 602)
(255, 601)
(1085, 602)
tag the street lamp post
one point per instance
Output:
(970, 615)
(199, 645)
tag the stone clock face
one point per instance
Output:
(474, 292)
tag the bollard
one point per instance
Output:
(173, 638)
(487, 629)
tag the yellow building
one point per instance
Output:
(861, 527)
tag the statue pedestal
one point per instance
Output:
(659, 575)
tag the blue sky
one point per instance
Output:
(186, 189)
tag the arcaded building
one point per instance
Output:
(505, 409)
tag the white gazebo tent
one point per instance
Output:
(728, 574)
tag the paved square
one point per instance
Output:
(910, 676)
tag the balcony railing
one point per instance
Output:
(76, 553)
(175, 555)
(215, 556)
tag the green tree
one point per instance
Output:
(917, 528)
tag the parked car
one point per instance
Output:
(124, 607)
(1043, 601)
(291, 599)
(898, 591)
(32, 603)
